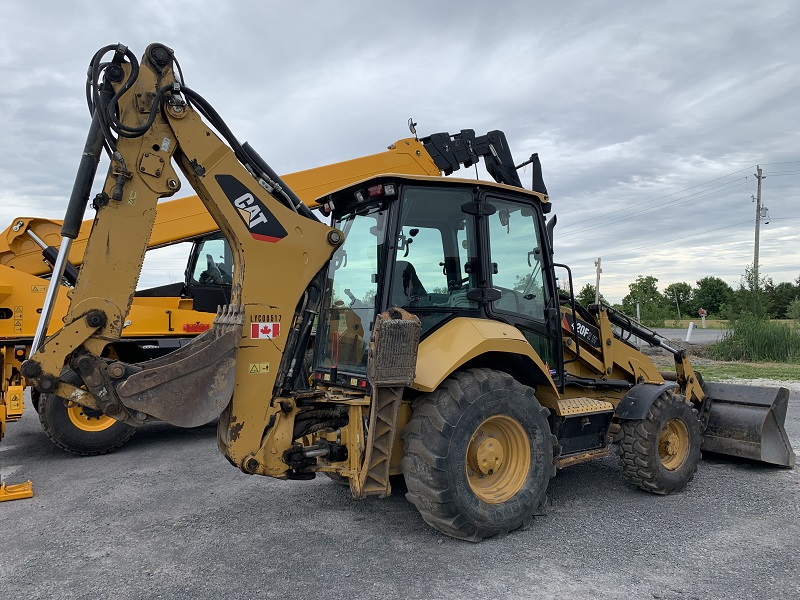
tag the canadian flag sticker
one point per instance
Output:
(262, 331)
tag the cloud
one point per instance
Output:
(627, 106)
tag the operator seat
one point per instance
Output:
(406, 286)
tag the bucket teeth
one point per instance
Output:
(228, 317)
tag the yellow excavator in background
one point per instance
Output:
(444, 352)
(161, 319)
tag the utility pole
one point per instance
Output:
(675, 294)
(597, 282)
(759, 176)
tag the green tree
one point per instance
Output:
(653, 305)
(711, 293)
(586, 296)
(750, 300)
(793, 312)
(780, 296)
(680, 293)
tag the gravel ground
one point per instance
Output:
(167, 517)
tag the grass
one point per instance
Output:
(737, 370)
(721, 323)
(755, 340)
(684, 323)
(720, 371)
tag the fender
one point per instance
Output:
(635, 404)
(463, 339)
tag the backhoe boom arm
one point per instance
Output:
(277, 248)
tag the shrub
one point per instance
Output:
(758, 340)
(793, 312)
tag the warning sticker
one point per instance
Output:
(38, 289)
(258, 368)
(264, 331)
(15, 403)
(17, 319)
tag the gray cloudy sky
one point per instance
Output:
(649, 118)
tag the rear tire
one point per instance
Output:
(79, 430)
(659, 453)
(478, 455)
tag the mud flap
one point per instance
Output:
(193, 385)
(748, 422)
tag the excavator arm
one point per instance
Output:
(278, 247)
(28, 240)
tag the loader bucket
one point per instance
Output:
(747, 421)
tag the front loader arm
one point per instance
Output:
(277, 250)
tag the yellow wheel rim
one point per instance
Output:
(673, 444)
(87, 419)
(498, 459)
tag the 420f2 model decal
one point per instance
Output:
(259, 220)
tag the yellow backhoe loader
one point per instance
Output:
(443, 350)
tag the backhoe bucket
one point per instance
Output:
(194, 384)
(747, 421)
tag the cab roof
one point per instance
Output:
(427, 179)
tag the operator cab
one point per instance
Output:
(207, 278)
(209, 274)
(440, 248)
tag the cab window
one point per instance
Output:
(516, 260)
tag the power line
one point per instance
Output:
(606, 221)
(683, 190)
(671, 240)
(786, 162)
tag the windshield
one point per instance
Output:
(348, 310)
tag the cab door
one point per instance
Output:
(520, 270)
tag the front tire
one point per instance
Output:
(77, 429)
(478, 455)
(659, 453)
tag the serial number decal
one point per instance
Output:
(263, 318)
